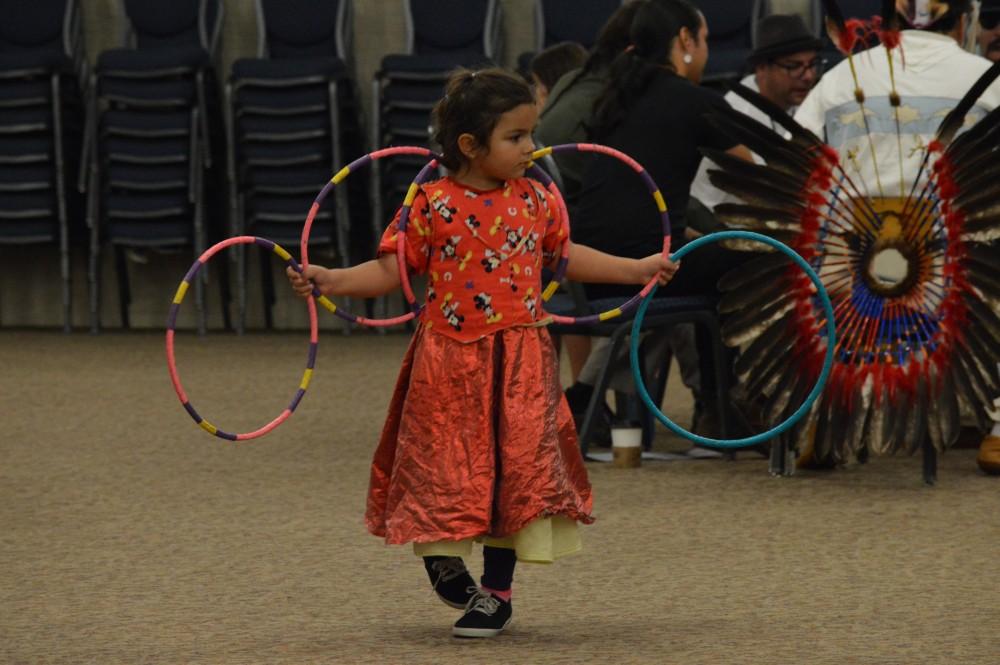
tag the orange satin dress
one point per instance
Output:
(479, 440)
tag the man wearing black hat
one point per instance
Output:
(785, 62)
(989, 30)
(786, 66)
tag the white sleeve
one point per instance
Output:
(811, 113)
(703, 189)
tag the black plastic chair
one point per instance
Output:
(41, 69)
(557, 21)
(811, 12)
(571, 21)
(730, 37)
(292, 119)
(454, 26)
(662, 314)
(441, 35)
(151, 117)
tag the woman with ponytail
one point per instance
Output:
(653, 109)
(571, 100)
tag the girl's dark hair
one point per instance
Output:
(655, 26)
(949, 20)
(558, 59)
(473, 103)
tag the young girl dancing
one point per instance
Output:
(479, 443)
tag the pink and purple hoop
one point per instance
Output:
(171, 327)
(661, 206)
(404, 217)
(415, 308)
(318, 202)
(425, 174)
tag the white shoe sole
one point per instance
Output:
(478, 632)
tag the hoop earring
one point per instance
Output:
(687, 59)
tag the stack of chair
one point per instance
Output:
(41, 67)
(152, 144)
(559, 21)
(731, 26)
(441, 35)
(293, 120)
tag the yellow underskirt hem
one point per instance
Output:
(541, 541)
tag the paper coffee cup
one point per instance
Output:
(626, 446)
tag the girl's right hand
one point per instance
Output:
(657, 266)
(313, 276)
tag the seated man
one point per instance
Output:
(786, 65)
(937, 74)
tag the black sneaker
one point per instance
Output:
(450, 580)
(486, 616)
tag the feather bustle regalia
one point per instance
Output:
(910, 355)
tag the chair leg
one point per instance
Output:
(342, 214)
(241, 289)
(721, 374)
(94, 258)
(779, 458)
(124, 294)
(658, 392)
(603, 379)
(199, 300)
(227, 296)
(93, 269)
(267, 284)
(67, 284)
(67, 290)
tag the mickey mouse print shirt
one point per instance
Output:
(483, 252)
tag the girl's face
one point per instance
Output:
(508, 154)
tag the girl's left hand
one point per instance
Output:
(655, 266)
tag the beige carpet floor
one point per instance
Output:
(128, 535)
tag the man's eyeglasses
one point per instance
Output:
(989, 21)
(798, 69)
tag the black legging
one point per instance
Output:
(498, 567)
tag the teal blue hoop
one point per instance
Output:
(831, 341)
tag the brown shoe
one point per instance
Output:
(989, 455)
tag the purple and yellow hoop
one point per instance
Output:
(661, 206)
(415, 308)
(424, 176)
(317, 204)
(189, 278)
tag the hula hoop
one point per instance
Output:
(404, 217)
(172, 320)
(661, 206)
(314, 209)
(831, 331)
